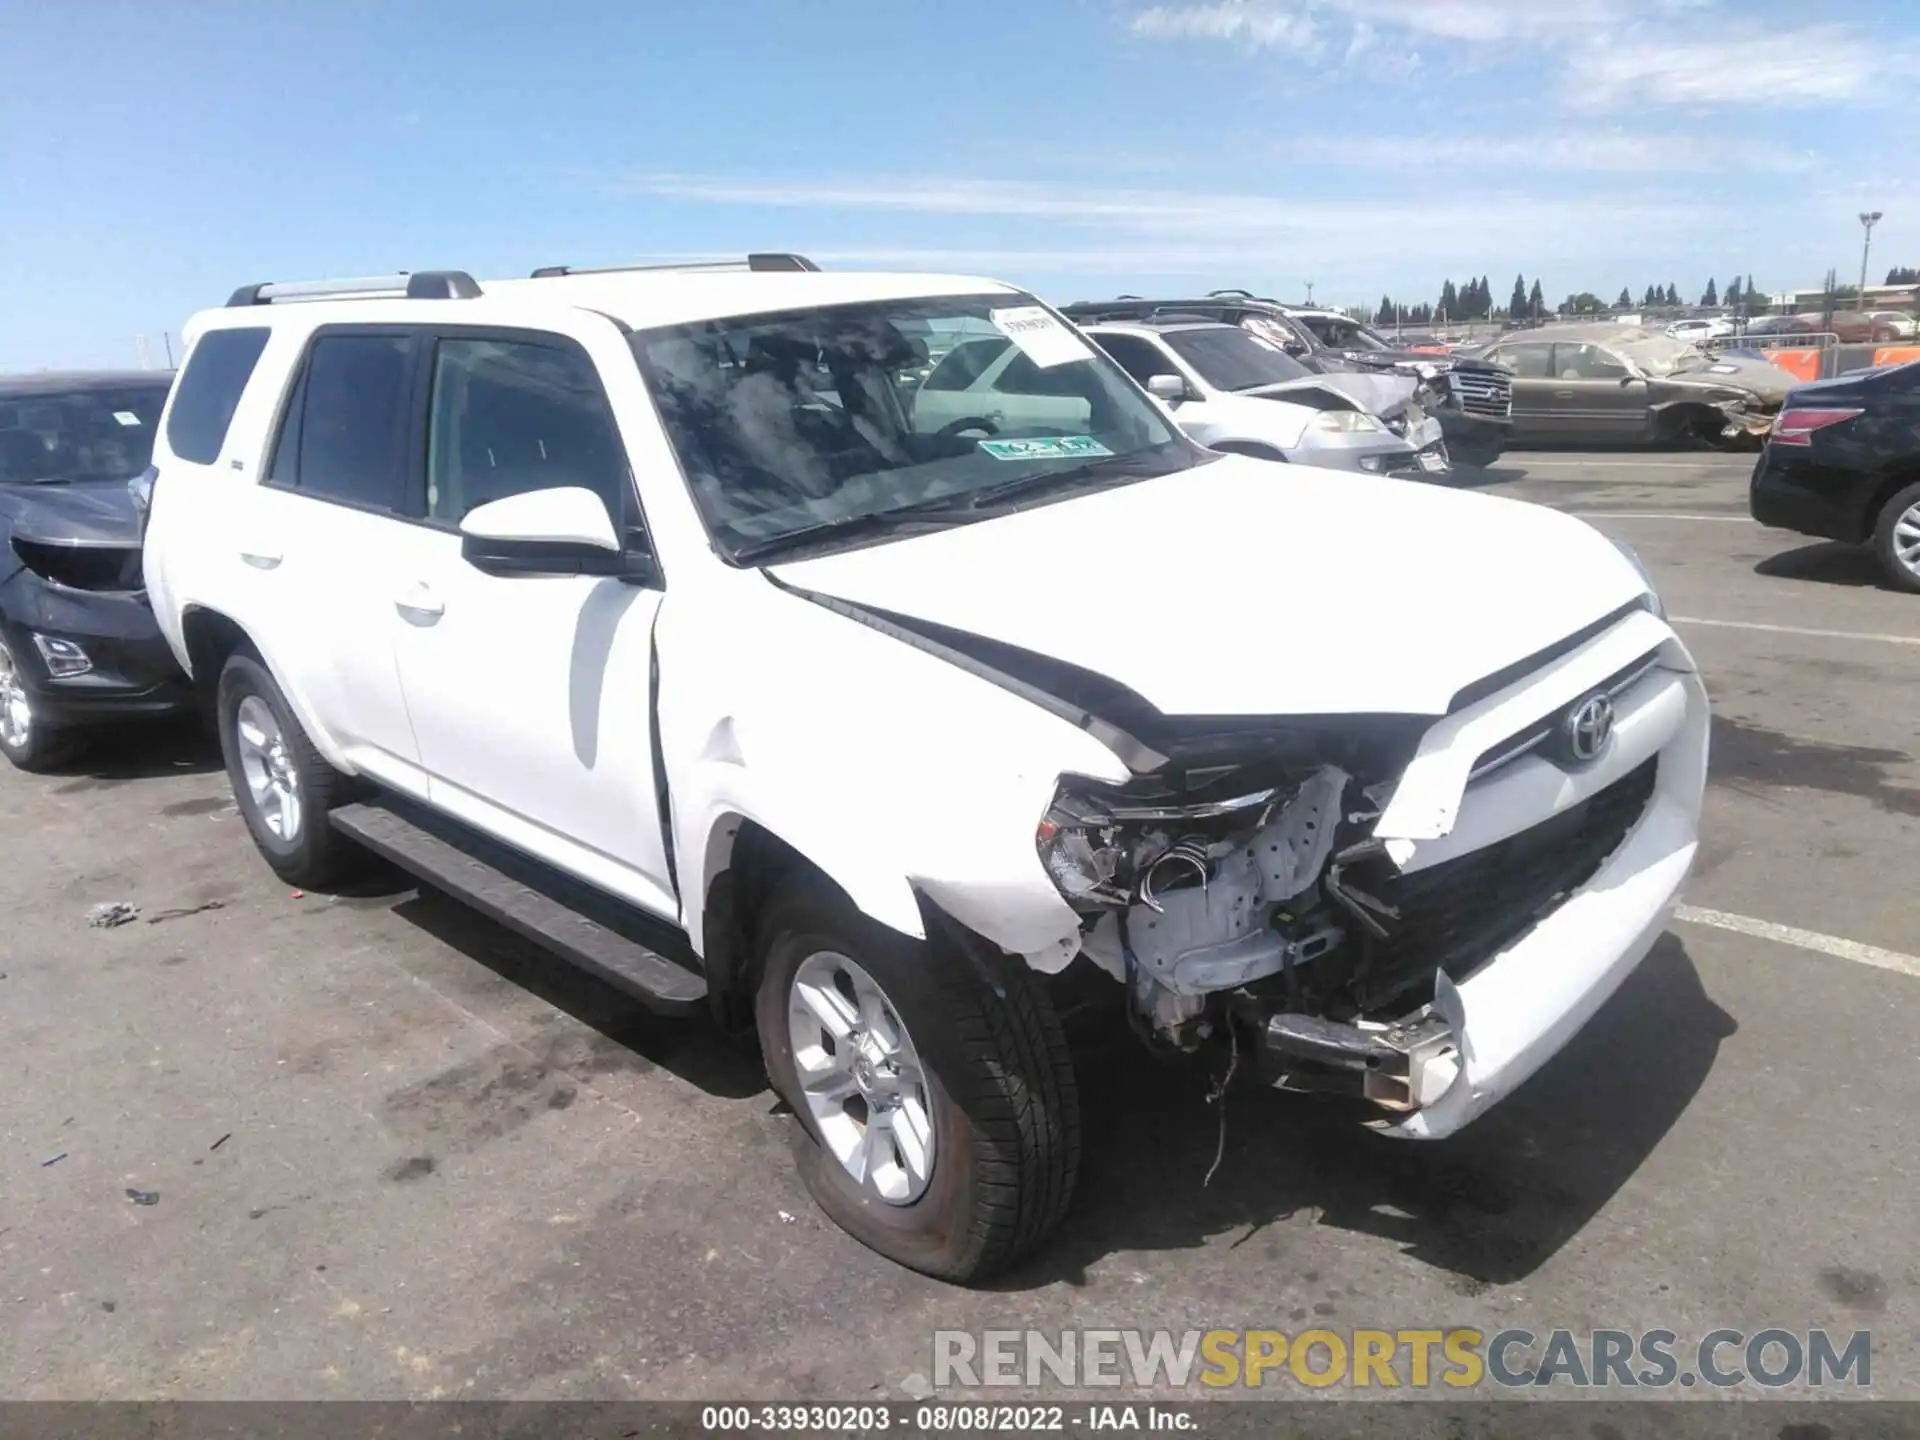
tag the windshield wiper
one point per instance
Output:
(927, 515)
(1108, 468)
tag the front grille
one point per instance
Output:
(1486, 393)
(1456, 914)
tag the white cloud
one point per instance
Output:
(1603, 152)
(1608, 54)
(1819, 65)
(1256, 26)
(1096, 230)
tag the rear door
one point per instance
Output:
(1535, 410)
(325, 540)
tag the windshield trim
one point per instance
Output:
(1178, 452)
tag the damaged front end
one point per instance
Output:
(1252, 904)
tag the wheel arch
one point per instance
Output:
(1254, 449)
(743, 858)
(210, 636)
(1869, 516)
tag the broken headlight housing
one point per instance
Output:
(1344, 422)
(1653, 591)
(1105, 850)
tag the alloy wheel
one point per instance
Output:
(861, 1077)
(1906, 539)
(16, 708)
(272, 781)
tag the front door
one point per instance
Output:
(1532, 364)
(530, 694)
(1596, 395)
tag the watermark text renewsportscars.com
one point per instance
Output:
(1457, 1358)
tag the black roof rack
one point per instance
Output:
(417, 285)
(760, 260)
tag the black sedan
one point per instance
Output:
(78, 643)
(1843, 463)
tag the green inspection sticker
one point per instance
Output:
(1047, 447)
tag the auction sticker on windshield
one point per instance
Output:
(1046, 447)
(1046, 341)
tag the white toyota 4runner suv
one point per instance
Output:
(643, 611)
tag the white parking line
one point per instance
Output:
(1797, 630)
(1657, 515)
(1804, 939)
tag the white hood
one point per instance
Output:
(1246, 588)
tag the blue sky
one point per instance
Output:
(152, 157)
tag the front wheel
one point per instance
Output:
(284, 788)
(940, 1121)
(24, 737)
(1896, 539)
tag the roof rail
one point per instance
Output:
(762, 260)
(1230, 294)
(419, 285)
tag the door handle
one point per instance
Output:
(1563, 394)
(420, 600)
(262, 559)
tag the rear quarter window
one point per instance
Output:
(208, 391)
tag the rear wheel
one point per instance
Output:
(284, 788)
(1896, 539)
(939, 1119)
(24, 737)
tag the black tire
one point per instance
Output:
(1898, 575)
(42, 748)
(1000, 1084)
(315, 855)
(1478, 457)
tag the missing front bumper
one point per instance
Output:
(1401, 1067)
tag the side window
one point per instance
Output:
(509, 416)
(1587, 362)
(1530, 361)
(965, 363)
(1141, 359)
(1021, 376)
(209, 391)
(344, 433)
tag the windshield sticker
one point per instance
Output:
(1046, 341)
(126, 417)
(1046, 447)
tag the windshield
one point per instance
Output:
(831, 419)
(1229, 358)
(1340, 334)
(62, 436)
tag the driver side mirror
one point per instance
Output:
(1170, 388)
(1628, 381)
(562, 531)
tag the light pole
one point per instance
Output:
(1868, 219)
(1309, 292)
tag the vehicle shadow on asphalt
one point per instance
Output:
(115, 754)
(1491, 1205)
(1828, 562)
(693, 1048)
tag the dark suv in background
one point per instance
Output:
(78, 643)
(1473, 399)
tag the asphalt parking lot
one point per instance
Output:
(397, 1154)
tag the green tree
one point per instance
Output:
(1536, 302)
(1384, 315)
(1449, 301)
(1585, 303)
(1734, 297)
(1673, 295)
(1625, 302)
(1517, 306)
(1651, 298)
(1903, 275)
(1712, 297)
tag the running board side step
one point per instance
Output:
(572, 920)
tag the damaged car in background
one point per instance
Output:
(1626, 385)
(1471, 398)
(78, 643)
(1241, 393)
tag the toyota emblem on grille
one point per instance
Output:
(1588, 727)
